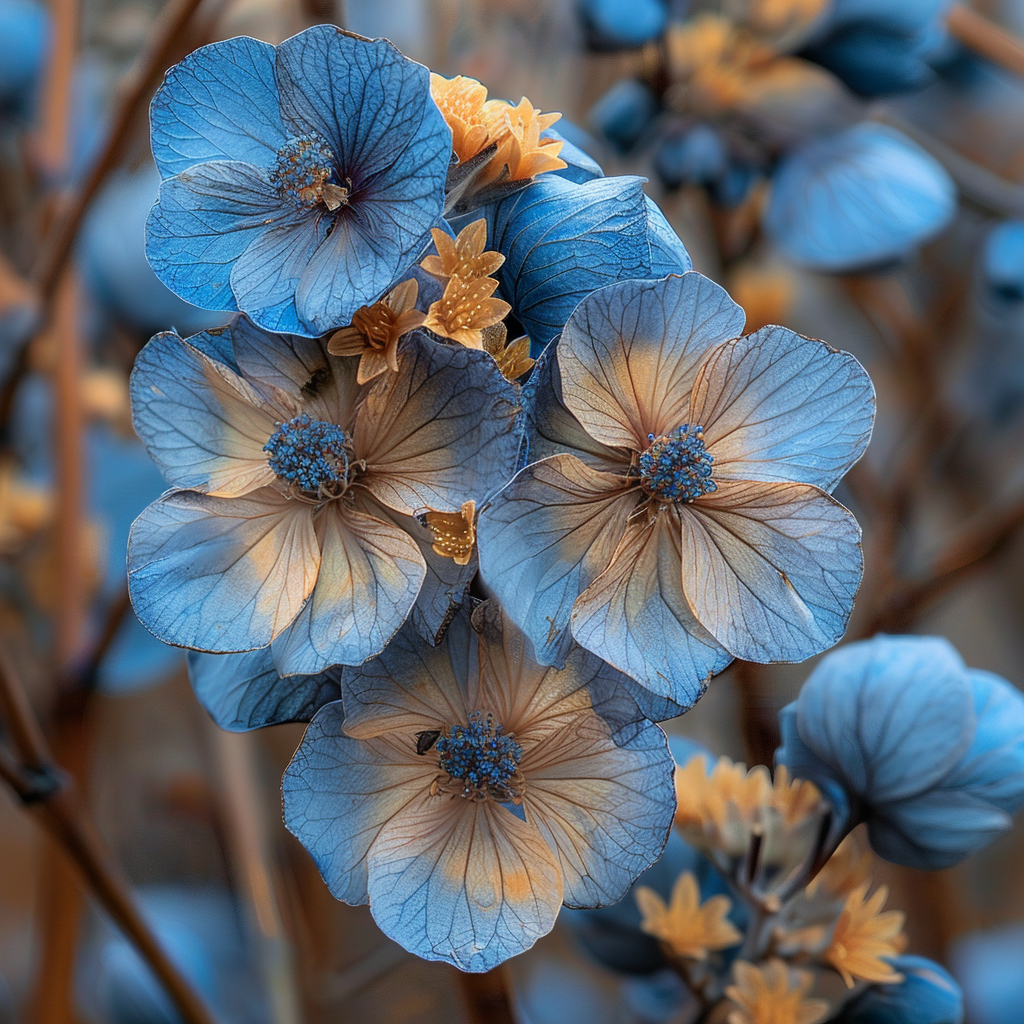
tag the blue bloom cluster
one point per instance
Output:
(481, 756)
(677, 466)
(310, 454)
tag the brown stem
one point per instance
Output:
(486, 997)
(757, 710)
(986, 38)
(60, 812)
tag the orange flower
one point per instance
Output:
(773, 995)
(847, 869)
(376, 330)
(454, 532)
(465, 257)
(863, 936)
(513, 357)
(461, 102)
(690, 929)
(465, 309)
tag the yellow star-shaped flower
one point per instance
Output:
(688, 927)
(466, 256)
(773, 994)
(465, 309)
(454, 532)
(864, 938)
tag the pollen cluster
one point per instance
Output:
(311, 455)
(677, 467)
(481, 760)
(303, 172)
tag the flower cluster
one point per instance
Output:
(764, 911)
(343, 454)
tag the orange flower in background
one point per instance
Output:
(688, 927)
(465, 256)
(864, 938)
(773, 994)
(375, 331)
(454, 532)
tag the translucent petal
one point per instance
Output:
(466, 883)
(246, 691)
(635, 615)
(777, 406)
(202, 424)
(203, 220)
(771, 569)
(863, 197)
(339, 793)
(630, 352)
(546, 537)
(221, 574)
(219, 103)
(439, 431)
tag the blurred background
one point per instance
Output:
(192, 814)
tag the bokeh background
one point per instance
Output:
(193, 813)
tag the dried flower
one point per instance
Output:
(864, 938)
(465, 256)
(773, 995)
(465, 309)
(454, 532)
(688, 927)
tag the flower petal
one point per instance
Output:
(339, 793)
(771, 569)
(412, 686)
(546, 537)
(777, 406)
(635, 615)
(203, 220)
(439, 431)
(370, 574)
(630, 352)
(221, 574)
(219, 103)
(246, 691)
(462, 882)
(202, 424)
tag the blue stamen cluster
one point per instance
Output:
(304, 165)
(482, 756)
(311, 454)
(677, 466)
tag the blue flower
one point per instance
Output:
(675, 512)
(1002, 261)
(562, 240)
(24, 42)
(863, 197)
(934, 778)
(301, 182)
(624, 23)
(465, 792)
(291, 519)
(928, 994)
(624, 113)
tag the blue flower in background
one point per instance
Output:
(1002, 261)
(929, 752)
(301, 181)
(615, 24)
(676, 512)
(562, 240)
(24, 43)
(465, 792)
(928, 994)
(864, 197)
(990, 966)
(292, 515)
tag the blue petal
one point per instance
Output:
(624, 22)
(869, 711)
(24, 41)
(866, 196)
(909, 16)
(624, 113)
(246, 691)
(204, 219)
(874, 61)
(668, 254)
(219, 103)
(561, 241)
(928, 994)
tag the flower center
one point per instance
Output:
(303, 173)
(481, 760)
(677, 466)
(312, 455)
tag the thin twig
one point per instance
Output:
(986, 38)
(60, 812)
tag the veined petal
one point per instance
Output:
(777, 406)
(439, 431)
(221, 574)
(339, 793)
(771, 569)
(630, 352)
(635, 615)
(605, 805)
(202, 424)
(204, 219)
(466, 883)
(412, 686)
(546, 537)
(246, 691)
(219, 103)
(370, 574)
